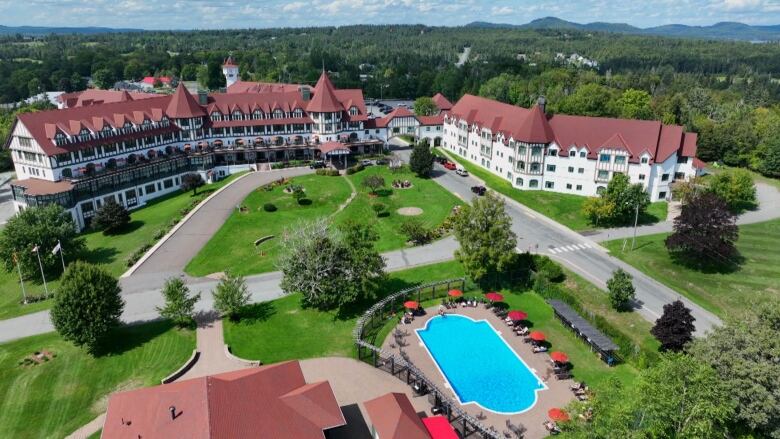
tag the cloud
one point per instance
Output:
(293, 7)
(501, 10)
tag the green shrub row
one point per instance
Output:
(290, 164)
(328, 172)
(355, 169)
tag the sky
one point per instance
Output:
(223, 14)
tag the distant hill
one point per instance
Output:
(42, 30)
(723, 31)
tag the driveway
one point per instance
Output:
(6, 200)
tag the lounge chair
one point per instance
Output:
(540, 349)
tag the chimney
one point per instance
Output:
(305, 93)
(203, 97)
(173, 412)
(542, 103)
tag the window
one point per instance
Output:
(550, 168)
(579, 187)
(604, 158)
(571, 169)
(662, 195)
(521, 165)
(25, 141)
(683, 160)
(553, 153)
(641, 177)
(519, 182)
(580, 170)
(536, 167)
(572, 153)
(679, 175)
(549, 184)
(600, 190)
(150, 189)
(353, 111)
(536, 150)
(665, 177)
(603, 175)
(521, 150)
(568, 185)
(644, 160)
(167, 184)
(582, 154)
(620, 160)
(533, 183)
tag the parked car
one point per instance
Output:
(366, 162)
(462, 172)
(381, 162)
(449, 165)
(479, 190)
(317, 165)
(440, 159)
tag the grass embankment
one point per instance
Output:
(233, 245)
(54, 398)
(280, 330)
(109, 250)
(721, 292)
(563, 208)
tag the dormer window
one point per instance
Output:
(278, 114)
(84, 134)
(216, 115)
(299, 113)
(353, 111)
(237, 114)
(257, 114)
(644, 160)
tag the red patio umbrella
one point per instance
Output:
(411, 304)
(558, 415)
(455, 293)
(537, 336)
(494, 297)
(517, 315)
(559, 357)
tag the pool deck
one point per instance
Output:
(557, 393)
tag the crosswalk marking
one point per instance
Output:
(569, 248)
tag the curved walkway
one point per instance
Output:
(768, 209)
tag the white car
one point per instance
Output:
(462, 172)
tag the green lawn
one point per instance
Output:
(719, 292)
(112, 250)
(563, 208)
(233, 245)
(435, 201)
(55, 398)
(280, 330)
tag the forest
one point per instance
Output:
(728, 92)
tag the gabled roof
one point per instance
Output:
(229, 62)
(93, 96)
(441, 102)
(394, 417)
(183, 105)
(324, 100)
(263, 87)
(534, 128)
(267, 402)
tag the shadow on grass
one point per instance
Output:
(728, 265)
(304, 202)
(386, 287)
(257, 312)
(384, 192)
(126, 338)
(100, 255)
(132, 226)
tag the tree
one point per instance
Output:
(87, 305)
(487, 243)
(743, 354)
(191, 181)
(111, 217)
(627, 198)
(770, 165)
(735, 187)
(598, 209)
(674, 329)
(424, 106)
(421, 159)
(705, 232)
(589, 100)
(621, 289)
(77, 82)
(635, 104)
(230, 295)
(373, 182)
(330, 267)
(179, 305)
(42, 226)
(415, 231)
(103, 78)
(679, 397)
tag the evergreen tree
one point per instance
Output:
(421, 159)
(674, 329)
(87, 305)
(621, 289)
(111, 217)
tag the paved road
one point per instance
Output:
(539, 234)
(768, 209)
(6, 203)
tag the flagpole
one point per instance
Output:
(62, 258)
(40, 264)
(21, 280)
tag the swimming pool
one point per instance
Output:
(479, 365)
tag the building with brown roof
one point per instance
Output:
(270, 402)
(569, 154)
(392, 416)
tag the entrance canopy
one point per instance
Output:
(334, 148)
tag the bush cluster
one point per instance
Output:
(269, 207)
(355, 169)
(328, 172)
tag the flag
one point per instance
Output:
(35, 249)
(57, 248)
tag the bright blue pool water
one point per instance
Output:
(479, 365)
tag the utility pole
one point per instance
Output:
(636, 220)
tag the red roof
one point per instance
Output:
(93, 96)
(183, 105)
(394, 417)
(324, 100)
(329, 147)
(439, 428)
(152, 79)
(592, 133)
(262, 87)
(267, 402)
(441, 102)
(431, 120)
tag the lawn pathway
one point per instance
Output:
(349, 200)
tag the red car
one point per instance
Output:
(449, 165)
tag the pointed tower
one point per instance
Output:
(230, 70)
(184, 110)
(535, 128)
(325, 109)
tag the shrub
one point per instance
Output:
(230, 295)
(159, 234)
(380, 210)
(621, 289)
(414, 229)
(546, 267)
(111, 217)
(355, 169)
(328, 172)
(192, 181)
(269, 207)
(321, 171)
(736, 188)
(373, 182)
